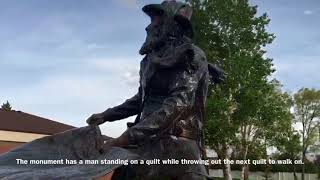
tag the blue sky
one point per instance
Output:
(65, 60)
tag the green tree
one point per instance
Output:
(307, 112)
(270, 117)
(234, 36)
(6, 106)
(273, 119)
(290, 147)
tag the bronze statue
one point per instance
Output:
(170, 102)
(170, 109)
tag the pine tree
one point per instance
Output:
(6, 106)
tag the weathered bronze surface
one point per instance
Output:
(78, 144)
(170, 109)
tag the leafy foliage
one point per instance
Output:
(233, 37)
(247, 109)
(307, 113)
(6, 106)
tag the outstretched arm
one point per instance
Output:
(129, 108)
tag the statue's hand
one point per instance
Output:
(96, 119)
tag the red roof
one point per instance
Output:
(23, 122)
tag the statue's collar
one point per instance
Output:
(170, 45)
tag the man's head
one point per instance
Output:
(169, 20)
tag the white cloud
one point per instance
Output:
(116, 64)
(72, 96)
(296, 72)
(131, 77)
(127, 70)
(308, 12)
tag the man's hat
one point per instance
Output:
(180, 12)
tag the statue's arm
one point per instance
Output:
(129, 108)
(179, 102)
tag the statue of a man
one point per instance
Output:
(170, 102)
